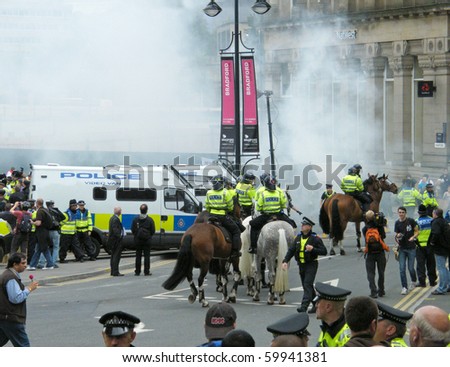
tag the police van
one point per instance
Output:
(170, 204)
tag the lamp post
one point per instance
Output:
(211, 10)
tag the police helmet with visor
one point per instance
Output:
(248, 177)
(270, 183)
(217, 182)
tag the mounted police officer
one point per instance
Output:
(246, 193)
(271, 203)
(219, 203)
(352, 185)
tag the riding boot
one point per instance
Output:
(253, 241)
(236, 246)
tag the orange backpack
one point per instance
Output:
(374, 242)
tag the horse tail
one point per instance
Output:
(281, 276)
(245, 261)
(183, 264)
(324, 220)
(336, 228)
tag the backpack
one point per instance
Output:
(25, 224)
(373, 241)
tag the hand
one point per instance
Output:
(309, 248)
(285, 266)
(33, 286)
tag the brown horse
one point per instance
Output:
(204, 246)
(340, 209)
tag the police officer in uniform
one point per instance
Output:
(391, 325)
(329, 303)
(219, 202)
(328, 193)
(271, 203)
(118, 329)
(306, 248)
(246, 193)
(424, 252)
(429, 199)
(294, 324)
(409, 196)
(352, 185)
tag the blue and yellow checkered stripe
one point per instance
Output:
(174, 223)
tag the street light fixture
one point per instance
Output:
(268, 93)
(211, 10)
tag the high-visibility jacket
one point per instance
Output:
(69, 224)
(219, 202)
(409, 196)
(83, 221)
(429, 200)
(398, 342)
(352, 183)
(33, 217)
(246, 192)
(271, 201)
(424, 224)
(339, 340)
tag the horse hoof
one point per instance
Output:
(342, 252)
(265, 286)
(205, 304)
(332, 252)
(191, 298)
(219, 289)
(270, 302)
(359, 249)
(255, 299)
(282, 302)
(231, 300)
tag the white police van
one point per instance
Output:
(172, 207)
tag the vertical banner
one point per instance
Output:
(250, 140)
(228, 124)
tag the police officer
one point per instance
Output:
(69, 238)
(352, 185)
(424, 253)
(429, 199)
(118, 329)
(357, 168)
(306, 248)
(328, 193)
(294, 324)
(246, 193)
(219, 203)
(391, 325)
(329, 303)
(409, 196)
(84, 229)
(271, 203)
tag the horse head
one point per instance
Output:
(372, 183)
(387, 185)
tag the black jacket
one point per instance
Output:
(437, 238)
(314, 240)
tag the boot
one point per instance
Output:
(252, 249)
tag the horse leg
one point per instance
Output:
(282, 298)
(194, 293)
(219, 285)
(201, 278)
(236, 279)
(358, 237)
(271, 280)
(225, 287)
(334, 243)
(250, 286)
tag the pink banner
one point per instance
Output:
(250, 143)
(228, 124)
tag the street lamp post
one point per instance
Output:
(211, 10)
(268, 93)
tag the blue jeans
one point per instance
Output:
(14, 332)
(54, 237)
(404, 256)
(444, 274)
(37, 255)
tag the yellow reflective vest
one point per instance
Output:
(219, 202)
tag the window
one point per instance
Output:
(99, 193)
(176, 199)
(135, 194)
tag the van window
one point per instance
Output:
(176, 199)
(99, 193)
(135, 194)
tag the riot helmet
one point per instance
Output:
(217, 182)
(270, 183)
(357, 168)
(248, 177)
(351, 171)
(263, 177)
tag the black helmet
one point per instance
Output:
(270, 183)
(351, 171)
(248, 177)
(263, 177)
(217, 182)
(26, 205)
(357, 166)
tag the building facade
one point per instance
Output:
(380, 66)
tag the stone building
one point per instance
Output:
(358, 67)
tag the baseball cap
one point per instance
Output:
(219, 320)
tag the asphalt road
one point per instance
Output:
(66, 314)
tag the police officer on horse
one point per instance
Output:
(246, 193)
(352, 185)
(219, 202)
(271, 203)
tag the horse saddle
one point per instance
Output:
(215, 222)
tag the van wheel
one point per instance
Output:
(97, 246)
